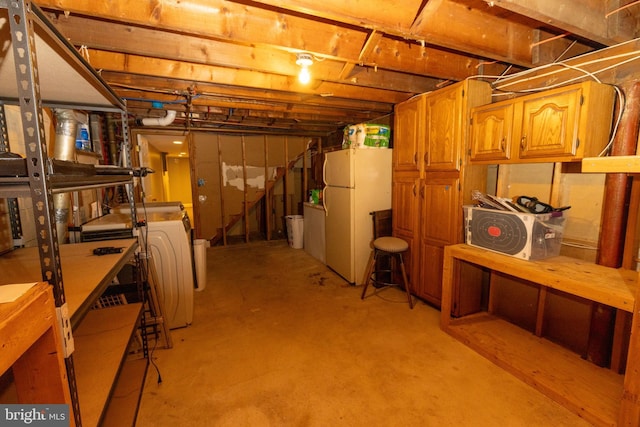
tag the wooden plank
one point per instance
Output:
(17, 335)
(589, 23)
(85, 275)
(630, 405)
(476, 30)
(103, 35)
(123, 406)
(591, 392)
(542, 299)
(101, 343)
(137, 64)
(606, 285)
(31, 345)
(611, 164)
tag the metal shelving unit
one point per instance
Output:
(65, 81)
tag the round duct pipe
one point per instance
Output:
(159, 121)
(64, 148)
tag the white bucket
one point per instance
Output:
(200, 257)
(295, 231)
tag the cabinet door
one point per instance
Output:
(550, 125)
(409, 135)
(491, 133)
(405, 203)
(444, 113)
(439, 210)
(406, 214)
(439, 199)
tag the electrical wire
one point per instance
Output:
(147, 254)
(622, 104)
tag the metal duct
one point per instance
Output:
(64, 148)
(160, 121)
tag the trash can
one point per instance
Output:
(200, 258)
(295, 231)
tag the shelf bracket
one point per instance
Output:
(68, 345)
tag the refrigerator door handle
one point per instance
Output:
(324, 201)
(324, 173)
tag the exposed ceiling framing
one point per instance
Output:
(230, 65)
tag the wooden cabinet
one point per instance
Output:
(444, 126)
(559, 125)
(491, 132)
(409, 128)
(439, 198)
(443, 179)
(405, 220)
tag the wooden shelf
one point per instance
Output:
(611, 164)
(124, 403)
(85, 275)
(101, 343)
(599, 395)
(592, 392)
(610, 286)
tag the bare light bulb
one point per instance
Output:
(304, 77)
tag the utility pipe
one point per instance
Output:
(159, 121)
(612, 233)
(64, 148)
(617, 184)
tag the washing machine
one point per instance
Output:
(167, 238)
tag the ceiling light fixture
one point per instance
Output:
(177, 142)
(304, 60)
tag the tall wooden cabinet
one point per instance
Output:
(432, 179)
(408, 165)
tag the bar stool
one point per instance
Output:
(392, 247)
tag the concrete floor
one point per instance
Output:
(278, 339)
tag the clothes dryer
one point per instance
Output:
(167, 238)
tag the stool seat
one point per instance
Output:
(392, 245)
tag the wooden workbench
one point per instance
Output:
(592, 392)
(31, 346)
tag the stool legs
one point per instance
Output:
(369, 272)
(406, 282)
(371, 269)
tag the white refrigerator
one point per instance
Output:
(357, 182)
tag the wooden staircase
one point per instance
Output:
(281, 173)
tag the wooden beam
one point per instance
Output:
(109, 36)
(379, 13)
(224, 20)
(463, 28)
(372, 40)
(590, 23)
(135, 64)
(224, 94)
